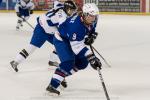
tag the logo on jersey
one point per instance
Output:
(73, 19)
(74, 36)
(60, 15)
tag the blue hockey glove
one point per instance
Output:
(94, 61)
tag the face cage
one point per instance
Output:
(87, 14)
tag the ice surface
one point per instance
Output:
(124, 41)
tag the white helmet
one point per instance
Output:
(90, 8)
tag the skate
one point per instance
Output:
(51, 63)
(14, 65)
(54, 60)
(17, 28)
(21, 24)
(64, 84)
(52, 91)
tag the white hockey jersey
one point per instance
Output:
(22, 4)
(52, 19)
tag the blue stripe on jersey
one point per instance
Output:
(60, 5)
(37, 20)
(50, 23)
(50, 13)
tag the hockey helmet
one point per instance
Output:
(69, 6)
(91, 9)
(90, 13)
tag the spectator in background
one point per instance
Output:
(79, 4)
(24, 8)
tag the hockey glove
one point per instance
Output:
(18, 14)
(94, 61)
(90, 39)
(31, 11)
(94, 34)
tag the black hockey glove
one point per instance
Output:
(94, 34)
(31, 11)
(94, 61)
(18, 14)
(89, 40)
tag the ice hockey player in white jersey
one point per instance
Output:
(46, 25)
(23, 8)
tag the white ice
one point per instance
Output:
(124, 41)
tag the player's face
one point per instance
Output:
(70, 12)
(90, 19)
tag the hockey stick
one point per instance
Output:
(101, 78)
(101, 56)
(28, 23)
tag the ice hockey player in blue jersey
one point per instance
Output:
(46, 25)
(24, 8)
(72, 37)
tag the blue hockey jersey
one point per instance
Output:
(74, 30)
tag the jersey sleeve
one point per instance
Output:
(78, 45)
(47, 25)
(57, 5)
(17, 6)
(51, 20)
(59, 18)
(32, 6)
